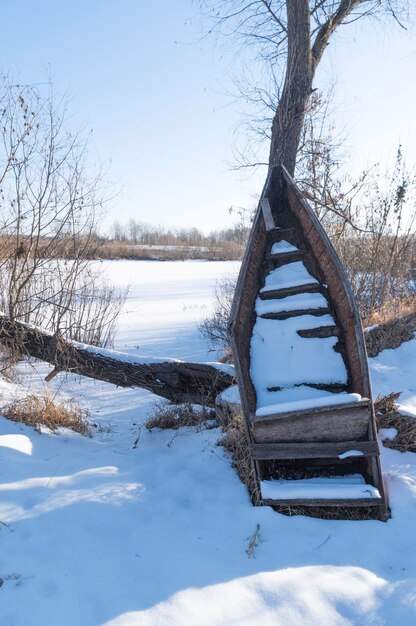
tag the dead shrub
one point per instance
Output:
(43, 410)
(391, 310)
(51, 207)
(9, 357)
(330, 512)
(174, 416)
(236, 443)
(388, 417)
(216, 327)
(390, 334)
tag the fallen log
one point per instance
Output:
(177, 381)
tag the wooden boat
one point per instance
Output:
(301, 366)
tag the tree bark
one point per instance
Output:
(302, 61)
(174, 380)
(290, 112)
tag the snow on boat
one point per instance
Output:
(301, 362)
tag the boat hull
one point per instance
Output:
(287, 235)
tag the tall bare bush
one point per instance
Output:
(379, 255)
(50, 205)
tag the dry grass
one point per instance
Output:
(391, 310)
(236, 443)
(388, 417)
(9, 358)
(331, 512)
(36, 411)
(394, 323)
(223, 251)
(175, 416)
(227, 356)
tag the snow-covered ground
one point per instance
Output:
(137, 528)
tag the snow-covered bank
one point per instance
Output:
(395, 370)
(98, 532)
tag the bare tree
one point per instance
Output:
(290, 38)
(289, 35)
(332, 193)
(50, 205)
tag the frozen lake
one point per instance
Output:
(166, 302)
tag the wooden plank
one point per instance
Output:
(241, 326)
(337, 425)
(364, 402)
(375, 468)
(277, 294)
(286, 257)
(242, 318)
(353, 502)
(277, 234)
(331, 387)
(320, 332)
(284, 315)
(267, 214)
(319, 450)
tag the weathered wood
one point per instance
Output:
(267, 214)
(175, 380)
(277, 294)
(364, 402)
(355, 502)
(242, 311)
(325, 426)
(374, 468)
(284, 315)
(322, 331)
(278, 234)
(283, 258)
(319, 450)
(331, 387)
(297, 224)
(52, 375)
(241, 324)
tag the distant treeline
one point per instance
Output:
(139, 240)
(134, 240)
(147, 234)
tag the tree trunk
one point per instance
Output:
(290, 112)
(174, 380)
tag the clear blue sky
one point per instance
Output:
(156, 101)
